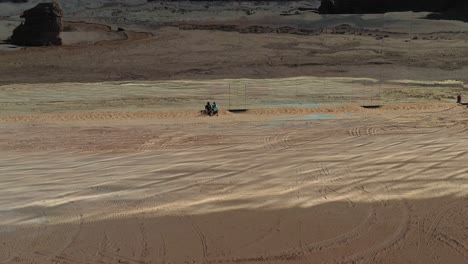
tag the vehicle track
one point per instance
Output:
(370, 255)
(107, 253)
(346, 237)
(278, 142)
(452, 243)
(431, 236)
(163, 249)
(145, 249)
(375, 131)
(372, 129)
(265, 235)
(35, 239)
(59, 255)
(201, 237)
(305, 249)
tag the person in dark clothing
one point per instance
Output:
(459, 99)
(208, 109)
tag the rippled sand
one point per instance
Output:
(271, 185)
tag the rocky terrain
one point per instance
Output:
(384, 6)
(225, 39)
(42, 26)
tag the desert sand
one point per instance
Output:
(217, 40)
(142, 181)
(105, 158)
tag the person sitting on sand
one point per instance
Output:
(208, 109)
(215, 109)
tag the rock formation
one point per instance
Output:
(326, 7)
(383, 6)
(42, 26)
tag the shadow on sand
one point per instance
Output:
(346, 231)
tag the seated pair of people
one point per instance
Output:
(211, 109)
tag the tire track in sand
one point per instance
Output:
(279, 141)
(201, 237)
(264, 235)
(375, 131)
(163, 249)
(431, 236)
(304, 249)
(104, 255)
(60, 254)
(370, 255)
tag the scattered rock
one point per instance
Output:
(250, 12)
(42, 26)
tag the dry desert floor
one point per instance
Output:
(104, 157)
(98, 176)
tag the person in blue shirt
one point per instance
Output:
(215, 109)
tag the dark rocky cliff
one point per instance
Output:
(384, 6)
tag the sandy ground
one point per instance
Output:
(202, 54)
(237, 40)
(104, 157)
(328, 183)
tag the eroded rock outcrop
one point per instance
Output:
(383, 6)
(42, 26)
(326, 7)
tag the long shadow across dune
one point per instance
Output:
(381, 231)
